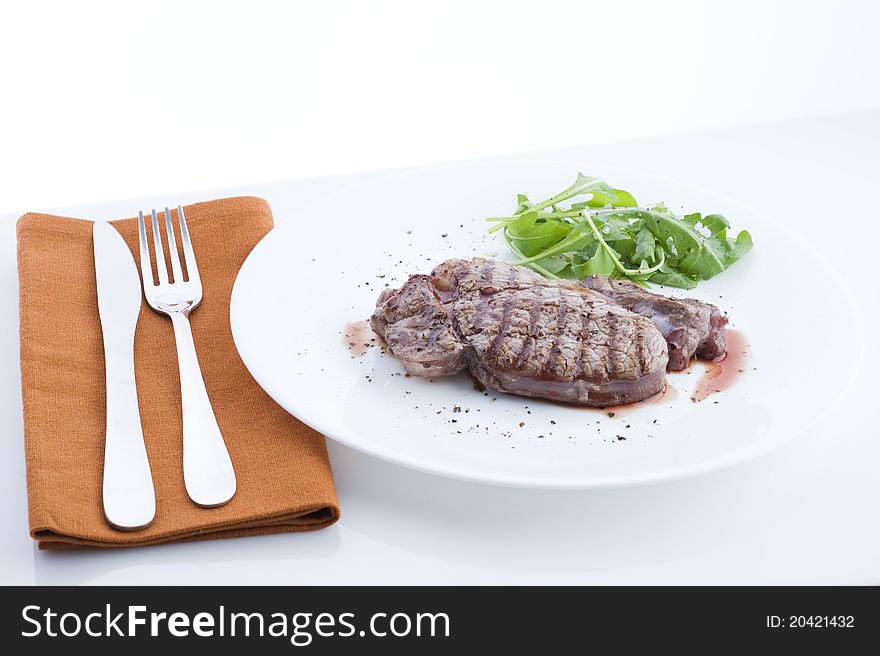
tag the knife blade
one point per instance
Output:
(129, 498)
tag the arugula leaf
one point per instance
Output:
(715, 224)
(742, 246)
(576, 239)
(536, 267)
(555, 263)
(645, 245)
(533, 235)
(672, 278)
(583, 185)
(611, 230)
(523, 203)
(600, 264)
(731, 250)
(621, 199)
(694, 253)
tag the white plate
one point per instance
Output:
(323, 268)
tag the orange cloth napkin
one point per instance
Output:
(284, 477)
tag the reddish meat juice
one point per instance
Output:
(724, 372)
(359, 337)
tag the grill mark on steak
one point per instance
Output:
(584, 339)
(505, 324)
(640, 349)
(519, 333)
(611, 347)
(486, 283)
(550, 362)
(435, 332)
(487, 272)
(529, 343)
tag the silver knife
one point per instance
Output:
(129, 499)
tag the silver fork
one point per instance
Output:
(207, 468)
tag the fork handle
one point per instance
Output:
(207, 467)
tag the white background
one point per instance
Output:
(112, 101)
(106, 100)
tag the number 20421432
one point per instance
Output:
(810, 622)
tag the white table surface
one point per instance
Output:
(806, 513)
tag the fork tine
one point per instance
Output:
(192, 271)
(146, 267)
(160, 252)
(172, 248)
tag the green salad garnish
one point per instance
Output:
(592, 228)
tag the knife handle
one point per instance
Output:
(207, 468)
(129, 498)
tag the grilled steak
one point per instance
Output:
(690, 327)
(416, 325)
(519, 333)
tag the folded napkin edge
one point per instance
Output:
(49, 540)
(48, 220)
